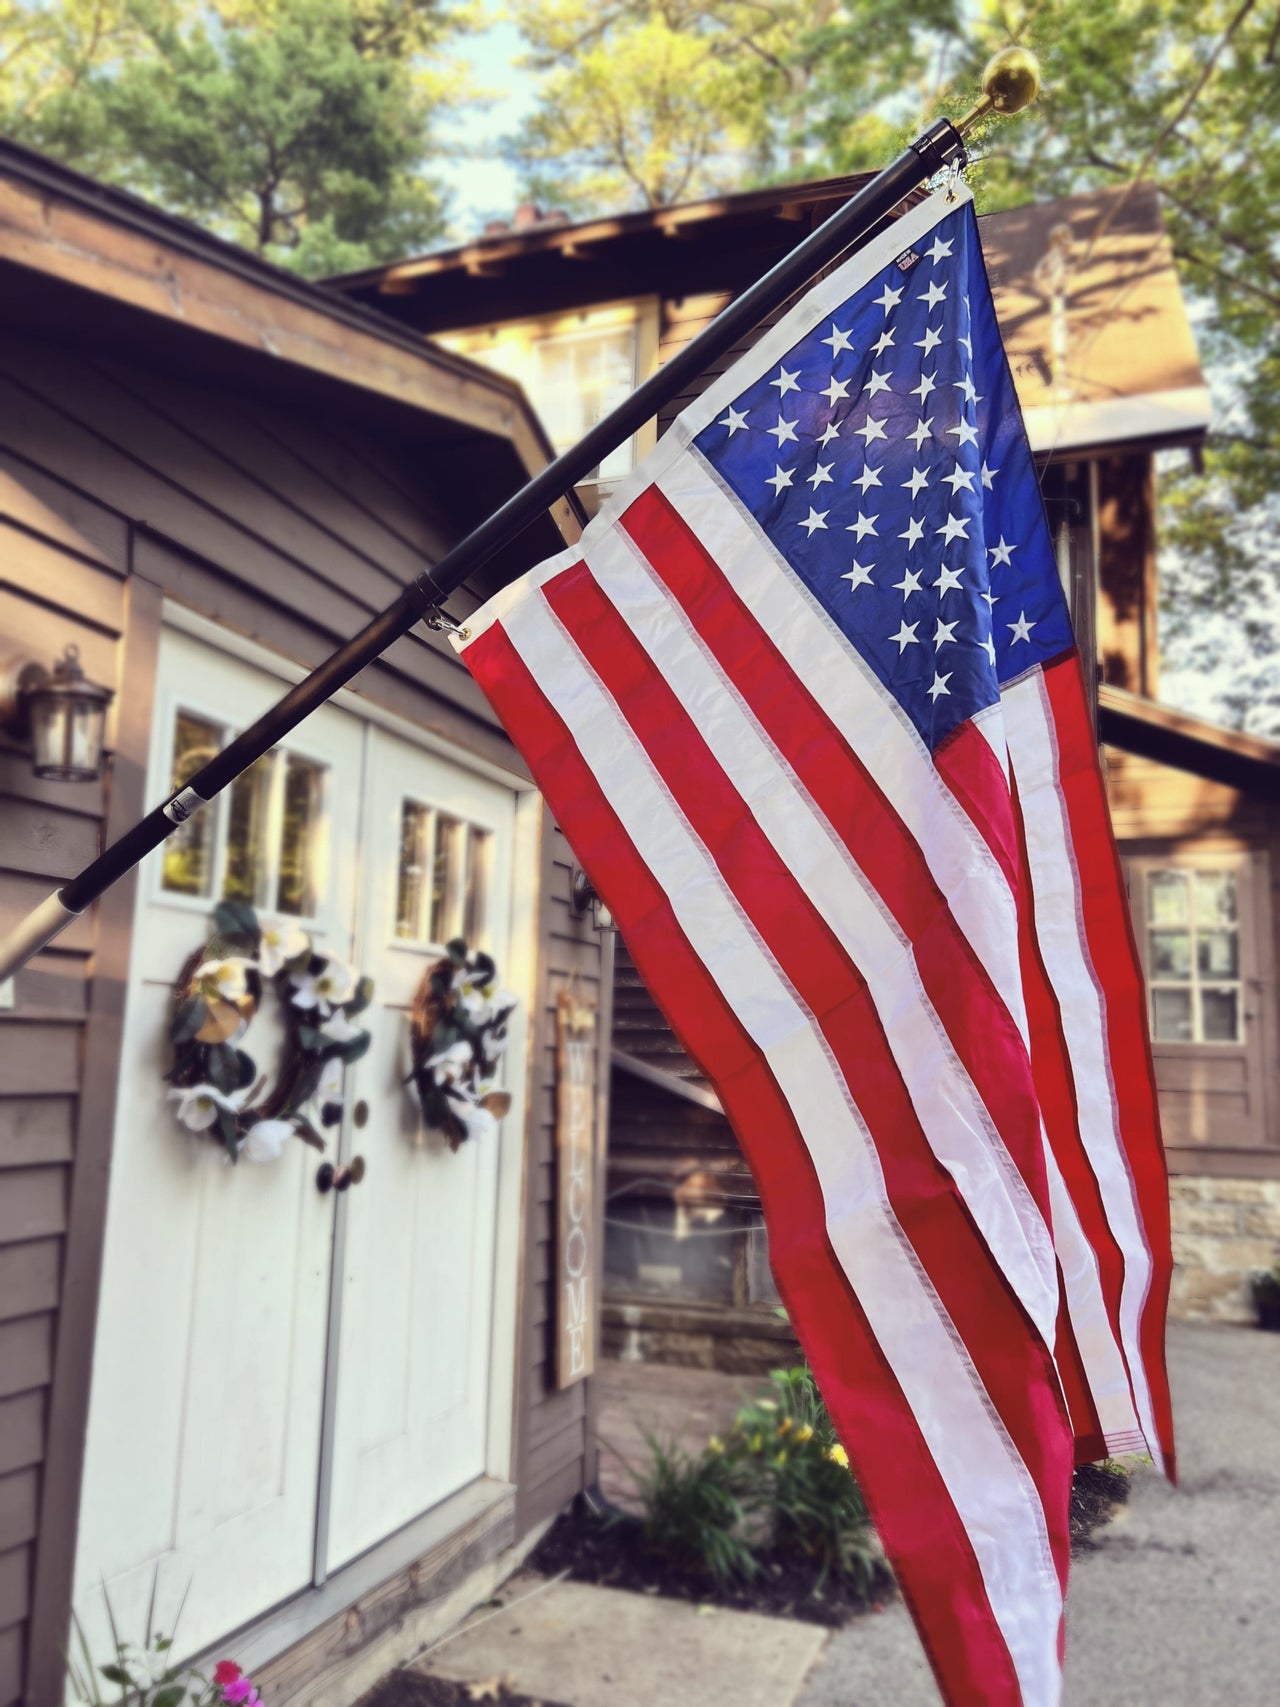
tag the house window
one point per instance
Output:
(1193, 955)
(580, 377)
(267, 847)
(442, 884)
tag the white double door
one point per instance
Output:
(284, 1377)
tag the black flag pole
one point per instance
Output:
(1010, 83)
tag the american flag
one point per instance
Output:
(807, 705)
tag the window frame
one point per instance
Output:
(1240, 864)
(457, 900)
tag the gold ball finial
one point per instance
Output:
(1011, 79)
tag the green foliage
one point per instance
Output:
(298, 128)
(777, 1487)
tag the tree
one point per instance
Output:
(296, 127)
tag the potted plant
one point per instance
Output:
(1266, 1296)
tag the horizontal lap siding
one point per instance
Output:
(288, 529)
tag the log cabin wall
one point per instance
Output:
(120, 486)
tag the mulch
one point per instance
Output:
(1096, 1493)
(418, 1689)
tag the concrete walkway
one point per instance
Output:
(1177, 1607)
(1180, 1604)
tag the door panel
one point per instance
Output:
(417, 1286)
(203, 1440)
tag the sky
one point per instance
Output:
(483, 185)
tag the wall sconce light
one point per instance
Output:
(61, 712)
(584, 897)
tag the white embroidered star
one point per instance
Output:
(784, 431)
(779, 478)
(863, 526)
(939, 251)
(910, 583)
(735, 419)
(988, 475)
(966, 385)
(955, 527)
(918, 481)
(837, 389)
(869, 477)
(1021, 629)
(945, 631)
(922, 390)
(920, 432)
(939, 685)
(786, 381)
(915, 532)
(829, 432)
(967, 434)
(821, 475)
(878, 382)
(957, 478)
(859, 576)
(992, 601)
(1002, 552)
(989, 647)
(930, 341)
(906, 635)
(935, 294)
(947, 578)
(882, 343)
(814, 520)
(870, 429)
(968, 344)
(889, 298)
(838, 340)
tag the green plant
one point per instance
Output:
(693, 1512)
(144, 1675)
(1266, 1294)
(797, 1479)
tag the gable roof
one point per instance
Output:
(1085, 287)
(87, 265)
(1137, 725)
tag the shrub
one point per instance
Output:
(693, 1513)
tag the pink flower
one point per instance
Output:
(239, 1691)
(227, 1671)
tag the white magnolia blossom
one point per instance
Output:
(475, 1004)
(478, 1121)
(326, 989)
(339, 1029)
(230, 977)
(265, 1139)
(451, 1064)
(329, 1088)
(282, 940)
(198, 1105)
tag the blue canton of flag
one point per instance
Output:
(903, 496)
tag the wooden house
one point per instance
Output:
(1107, 372)
(332, 1416)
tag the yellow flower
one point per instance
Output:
(785, 1426)
(715, 1444)
(839, 1456)
(780, 1458)
(803, 1434)
(756, 1442)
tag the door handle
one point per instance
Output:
(329, 1178)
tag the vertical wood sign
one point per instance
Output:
(575, 1188)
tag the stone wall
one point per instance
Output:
(1224, 1230)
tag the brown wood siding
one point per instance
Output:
(119, 487)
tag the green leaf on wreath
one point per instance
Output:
(247, 1069)
(457, 951)
(230, 1132)
(363, 996)
(190, 1016)
(236, 918)
(357, 1047)
(312, 1040)
(223, 1065)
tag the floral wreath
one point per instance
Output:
(216, 1083)
(457, 1034)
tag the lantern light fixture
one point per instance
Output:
(585, 898)
(61, 712)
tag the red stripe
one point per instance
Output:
(1056, 1090)
(970, 769)
(980, 1027)
(1113, 952)
(909, 1503)
(1015, 1366)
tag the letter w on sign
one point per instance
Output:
(807, 704)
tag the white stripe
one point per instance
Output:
(1060, 933)
(955, 1121)
(867, 716)
(992, 1490)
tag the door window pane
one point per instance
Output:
(1167, 897)
(1217, 954)
(443, 879)
(411, 882)
(479, 848)
(300, 833)
(1215, 897)
(447, 879)
(1171, 1016)
(1220, 1015)
(188, 852)
(1193, 941)
(247, 815)
(1170, 954)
